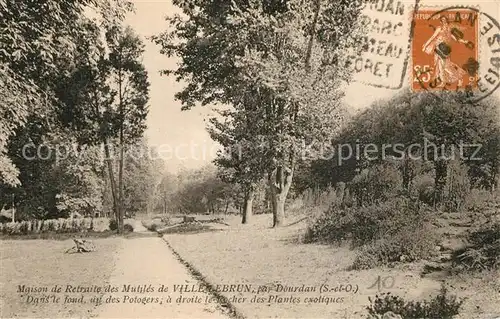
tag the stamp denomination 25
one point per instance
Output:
(455, 49)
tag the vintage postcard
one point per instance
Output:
(250, 159)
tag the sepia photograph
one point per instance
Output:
(240, 159)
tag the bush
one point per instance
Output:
(423, 188)
(408, 245)
(128, 228)
(166, 219)
(376, 184)
(113, 224)
(484, 250)
(153, 225)
(395, 231)
(480, 200)
(365, 225)
(442, 306)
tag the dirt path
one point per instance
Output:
(144, 261)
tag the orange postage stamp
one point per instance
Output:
(445, 49)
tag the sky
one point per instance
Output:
(181, 134)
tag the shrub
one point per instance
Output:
(87, 224)
(423, 188)
(166, 219)
(113, 224)
(442, 306)
(100, 224)
(39, 226)
(24, 227)
(48, 225)
(12, 228)
(128, 228)
(484, 250)
(76, 225)
(364, 225)
(480, 200)
(376, 184)
(407, 245)
(153, 225)
(394, 231)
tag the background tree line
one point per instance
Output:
(277, 68)
(71, 75)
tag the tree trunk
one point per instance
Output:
(317, 8)
(248, 207)
(406, 175)
(280, 181)
(164, 204)
(13, 209)
(120, 185)
(111, 179)
(279, 215)
(441, 172)
(120, 172)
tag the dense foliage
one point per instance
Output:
(277, 66)
(72, 87)
(440, 306)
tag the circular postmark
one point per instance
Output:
(456, 49)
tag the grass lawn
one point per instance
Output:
(44, 263)
(260, 256)
(59, 236)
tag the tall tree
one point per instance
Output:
(422, 132)
(241, 161)
(105, 97)
(286, 54)
(131, 87)
(37, 44)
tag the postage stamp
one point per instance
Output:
(445, 49)
(456, 49)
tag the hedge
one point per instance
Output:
(61, 225)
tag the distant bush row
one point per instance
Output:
(61, 225)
